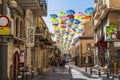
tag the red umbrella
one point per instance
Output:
(70, 16)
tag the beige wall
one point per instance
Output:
(89, 29)
(0, 1)
(114, 3)
(114, 17)
(84, 44)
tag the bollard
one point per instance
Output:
(86, 69)
(32, 74)
(90, 71)
(27, 74)
(41, 71)
(119, 75)
(19, 77)
(110, 71)
(53, 69)
(69, 69)
(108, 74)
(113, 76)
(99, 72)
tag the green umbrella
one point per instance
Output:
(61, 14)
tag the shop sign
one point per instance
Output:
(116, 44)
(30, 37)
(22, 59)
(111, 33)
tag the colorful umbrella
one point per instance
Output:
(61, 14)
(89, 10)
(53, 16)
(70, 12)
(70, 16)
(79, 14)
(76, 21)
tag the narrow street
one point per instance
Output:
(75, 73)
(38, 35)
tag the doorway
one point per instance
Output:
(16, 65)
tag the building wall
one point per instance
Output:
(0, 1)
(114, 18)
(29, 23)
(114, 3)
(10, 56)
(84, 45)
(89, 29)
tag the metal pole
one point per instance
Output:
(3, 50)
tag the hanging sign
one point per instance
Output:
(22, 59)
(30, 37)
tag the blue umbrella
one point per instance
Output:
(53, 16)
(70, 19)
(76, 21)
(89, 10)
(71, 12)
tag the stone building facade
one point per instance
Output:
(83, 47)
(107, 16)
(23, 57)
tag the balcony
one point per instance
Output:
(47, 42)
(39, 7)
(40, 34)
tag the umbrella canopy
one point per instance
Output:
(79, 13)
(70, 16)
(61, 14)
(89, 10)
(70, 12)
(53, 16)
(76, 21)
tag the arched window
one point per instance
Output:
(17, 27)
(21, 29)
(88, 47)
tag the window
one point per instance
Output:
(21, 29)
(100, 1)
(17, 27)
(88, 47)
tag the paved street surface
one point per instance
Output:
(75, 74)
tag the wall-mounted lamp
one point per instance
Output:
(13, 4)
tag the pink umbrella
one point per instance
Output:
(79, 14)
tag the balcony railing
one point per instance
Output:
(40, 34)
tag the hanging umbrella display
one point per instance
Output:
(79, 13)
(70, 16)
(61, 14)
(53, 16)
(76, 21)
(86, 18)
(89, 11)
(70, 12)
(69, 24)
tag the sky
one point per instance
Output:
(55, 6)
